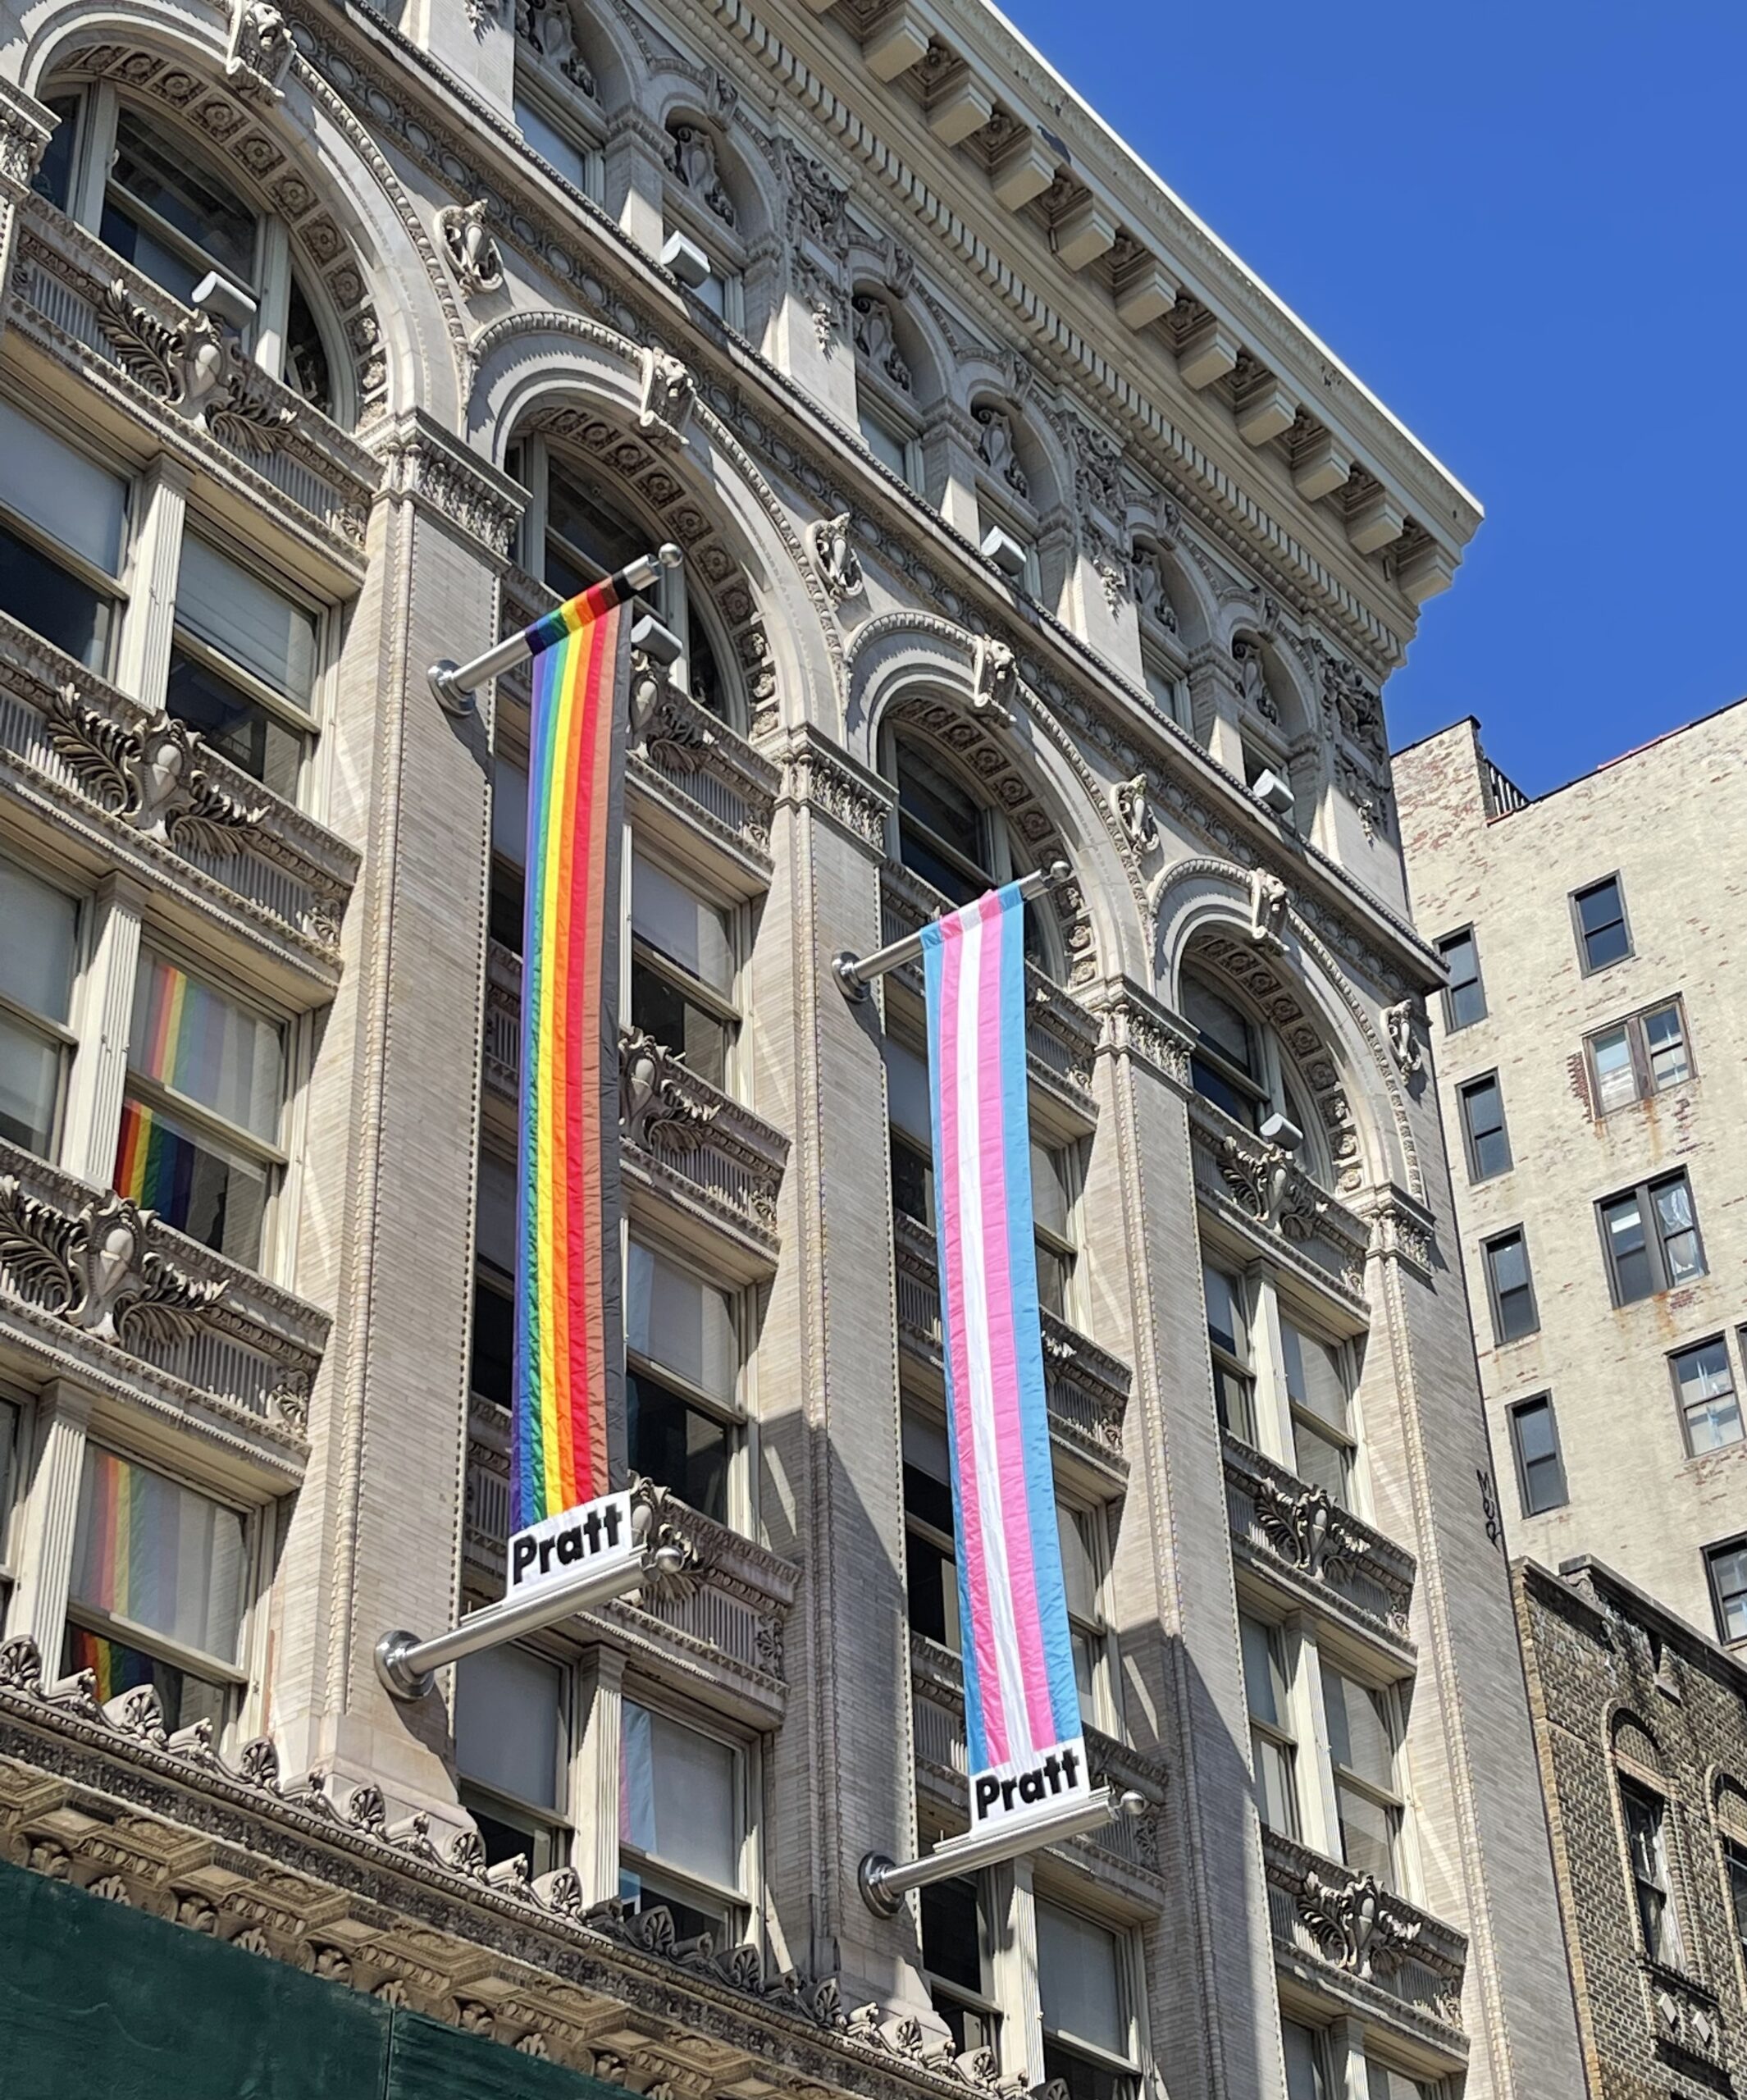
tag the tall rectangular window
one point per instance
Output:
(11, 1428)
(1088, 2029)
(1273, 1748)
(158, 1590)
(931, 1575)
(1735, 1866)
(1644, 1055)
(1599, 914)
(1383, 2083)
(682, 970)
(912, 1142)
(1465, 996)
(1083, 1557)
(1229, 1346)
(1483, 1130)
(242, 666)
(492, 1365)
(681, 1830)
(1540, 1471)
(956, 1952)
(39, 943)
(1509, 1288)
(63, 526)
(1052, 1179)
(1362, 1750)
(1318, 1391)
(1726, 1565)
(200, 1116)
(1704, 1383)
(681, 1381)
(511, 1754)
(1650, 1236)
(1647, 1844)
(509, 894)
(1304, 2073)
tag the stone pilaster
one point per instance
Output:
(92, 1124)
(143, 669)
(25, 127)
(48, 1518)
(595, 1809)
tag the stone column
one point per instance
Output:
(47, 1517)
(601, 1694)
(1213, 701)
(1212, 2011)
(1013, 1902)
(142, 669)
(829, 1446)
(385, 1232)
(102, 1018)
(636, 179)
(949, 470)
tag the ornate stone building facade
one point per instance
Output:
(1020, 523)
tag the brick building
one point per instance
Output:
(1020, 523)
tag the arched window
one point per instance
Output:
(575, 531)
(949, 835)
(557, 110)
(1241, 1064)
(703, 205)
(163, 204)
(1649, 1841)
(1164, 656)
(1009, 493)
(886, 364)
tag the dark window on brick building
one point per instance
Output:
(1509, 1288)
(1484, 1135)
(1540, 1470)
(1465, 996)
(1650, 1236)
(1602, 934)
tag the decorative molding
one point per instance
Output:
(423, 464)
(820, 777)
(835, 561)
(1270, 903)
(1271, 1188)
(1402, 1022)
(24, 138)
(197, 368)
(97, 1269)
(472, 252)
(259, 51)
(153, 778)
(666, 398)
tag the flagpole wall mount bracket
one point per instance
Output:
(884, 1882)
(855, 974)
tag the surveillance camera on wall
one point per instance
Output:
(658, 643)
(1271, 790)
(684, 260)
(1282, 1131)
(224, 301)
(1005, 552)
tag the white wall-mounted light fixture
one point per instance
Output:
(1005, 552)
(683, 257)
(1279, 1130)
(1274, 793)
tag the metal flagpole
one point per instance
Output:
(454, 683)
(886, 1882)
(854, 973)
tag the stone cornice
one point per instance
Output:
(425, 465)
(25, 126)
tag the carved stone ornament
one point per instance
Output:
(835, 561)
(1112, 572)
(1351, 703)
(1357, 1924)
(1253, 678)
(96, 1271)
(1132, 802)
(658, 1519)
(667, 733)
(472, 253)
(1269, 1188)
(659, 1100)
(815, 202)
(1270, 901)
(994, 678)
(151, 777)
(547, 26)
(259, 51)
(692, 155)
(995, 448)
(876, 341)
(1151, 596)
(196, 368)
(1308, 1529)
(1405, 1047)
(1097, 469)
(669, 390)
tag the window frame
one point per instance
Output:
(1342, 1438)
(740, 1904)
(1719, 1597)
(1490, 1248)
(1733, 1852)
(984, 2005)
(1445, 942)
(1277, 1734)
(1643, 1193)
(61, 1036)
(1090, 1516)
(1643, 1071)
(1391, 1801)
(116, 590)
(1685, 1409)
(1575, 900)
(735, 1416)
(553, 1829)
(1633, 1791)
(1129, 2072)
(1514, 1414)
(723, 1009)
(1470, 1139)
(942, 1542)
(535, 87)
(1231, 1362)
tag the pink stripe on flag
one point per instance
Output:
(1004, 1379)
(981, 1631)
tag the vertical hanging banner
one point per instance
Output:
(1027, 1756)
(568, 1346)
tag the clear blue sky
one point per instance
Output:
(1522, 226)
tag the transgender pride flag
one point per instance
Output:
(1021, 1705)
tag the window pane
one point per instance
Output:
(29, 1086)
(1079, 1980)
(1707, 1392)
(551, 144)
(951, 1933)
(659, 1008)
(1536, 1436)
(1303, 2061)
(1367, 1833)
(678, 1444)
(1315, 1376)
(1483, 1112)
(682, 1322)
(1321, 1461)
(677, 1795)
(1616, 1081)
(1359, 1735)
(912, 1181)
(1080, 1566)
(509, 811)
(166, 176)
(54, 174)
(235, 724)
(1729, 1573)
(507, 1711)
(1602, 916)
(1219, 1024)
(62, 491)
(188, 1036)
(1465, 999)
(1633, 1276)
(1513, 1298)
(1665, 1039)
(588, 522)
(1226, 1325)
(306, 367)
(147, 1549)
(686, 930)
(41, 595)
(1679, 1235)
(495, 1236)
(491, 1365)
(888, 448)
(907, 1092)
(230, 608)
(936, 800)
(200, 1187)
(37, 927)
(1263, 1679)
(118, 1668)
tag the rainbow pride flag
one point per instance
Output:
(155, 1163)
(1027, 1754)
(568, 1312)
